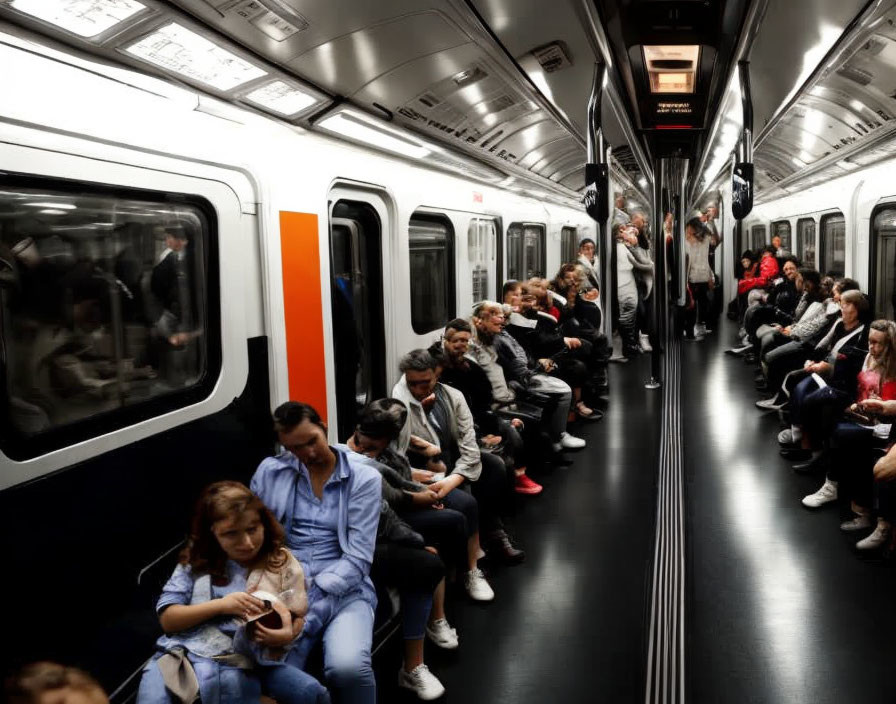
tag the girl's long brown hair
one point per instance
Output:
(886, 363)
(219, 501)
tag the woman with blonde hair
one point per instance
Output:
(857, 438)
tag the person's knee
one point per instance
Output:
(349, 668)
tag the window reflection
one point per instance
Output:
(102, 303)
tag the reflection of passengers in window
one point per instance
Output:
(170, 284)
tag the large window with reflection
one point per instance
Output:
(805, 241)
(525, 250)
(781, 229)
(431, 250)
(883, 260)
(833, 244)
(105, 313)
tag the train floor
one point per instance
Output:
(568, 624)
(781, 607)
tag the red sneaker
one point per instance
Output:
(524, 485)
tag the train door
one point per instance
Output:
(883, 274)
(482, 236)
(356, 283)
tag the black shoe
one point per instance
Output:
(500, 547)
(811, 466)
(795, 454)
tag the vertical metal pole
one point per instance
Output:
(659, 277)
(607, 263)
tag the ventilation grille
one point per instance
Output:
(857, 75)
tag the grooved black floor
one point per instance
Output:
(781, 608)
(567, 625)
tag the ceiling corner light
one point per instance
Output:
(362, 128)
(178, 49)
(642, 182)
(672, 68)
(282, 98)
(85, 18)
(847, 165)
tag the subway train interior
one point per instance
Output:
(661, 232)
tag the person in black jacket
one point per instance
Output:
(495, 434)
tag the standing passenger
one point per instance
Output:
(700, 277)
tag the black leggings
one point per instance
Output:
(700, 311)
(492, 491)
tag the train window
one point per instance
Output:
(526, 255)
(431, 243)
(757, 237)
(481, 237)
(782, 229)
(357, 304)
(805, 241)
(883, 258)
(104, 310)
(569, 243)
(833, 244)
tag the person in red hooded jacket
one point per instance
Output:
(768, 271)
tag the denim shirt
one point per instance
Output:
(352, 500)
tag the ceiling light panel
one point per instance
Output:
(282, 98)
(672, 68)
(178, 49)
(84, 18)
(361, 128)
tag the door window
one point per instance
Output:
(431, 243)
(805, 242)
(526, 251)
(782, 229)
(883, 234)
(481, 238)
(833, 244)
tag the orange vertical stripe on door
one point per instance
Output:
(303, 310)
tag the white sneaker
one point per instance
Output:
(442, 634)
(571, 442)
(770, 404)
(421, 682)
(857, 523)
(878, 538)
(645, 343)
(825, 495)
(477, 588)
(788, 437)
(700, 330)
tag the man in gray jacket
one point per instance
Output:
(438, 416)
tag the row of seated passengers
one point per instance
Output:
(339, 518)
(831, 372)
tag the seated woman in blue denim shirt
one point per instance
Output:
(328, 502)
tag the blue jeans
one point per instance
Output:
(347, 641)
(218, 684)
(222, 684)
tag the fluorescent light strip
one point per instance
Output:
(351, 124)
(182, 51)
(86, 18)
(282, 98)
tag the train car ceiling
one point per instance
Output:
(496, 89)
